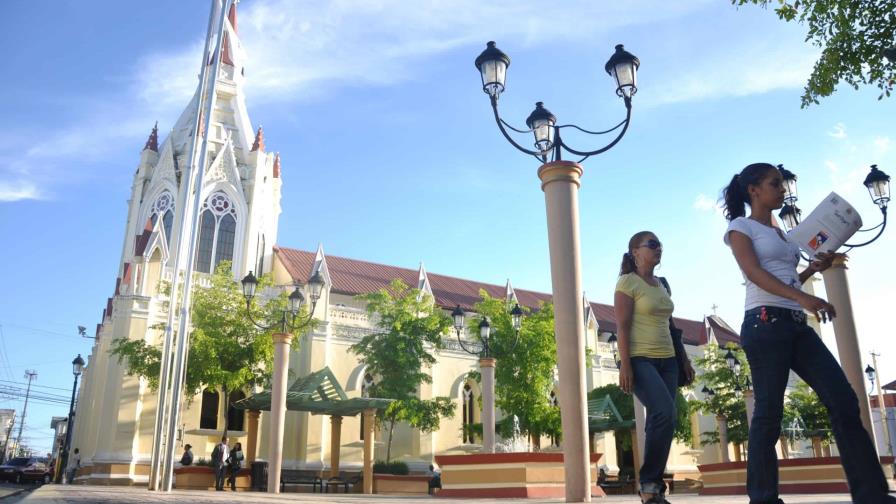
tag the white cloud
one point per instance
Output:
(839, 131)
(882, 144)
(17, 191)
(704, 203)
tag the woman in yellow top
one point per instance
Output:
(647, 363)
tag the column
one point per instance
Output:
(837, 287)
(252, 437)
(723, 437)
(560, 181)
(487, 370)
(751, 406)
(369, 429)
(278, 409)
(335, 443)
(640, 435)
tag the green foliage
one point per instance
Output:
(524, 374)
(852, 35)
(803, 403)
(395, 467)
(715, 374)
(626, 405)
(399, 355)
(227, 351)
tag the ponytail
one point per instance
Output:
(628, 264)
(735, 193)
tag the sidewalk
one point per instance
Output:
(9, 489)
(79, 494)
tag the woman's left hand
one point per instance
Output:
(689, 372)
(822, 261)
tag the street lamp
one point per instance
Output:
(836, 285)
(484, 348)
(560, 181)
(282, 339)
(869, 371)
(77, 369)
(614, 344)
(881, 405)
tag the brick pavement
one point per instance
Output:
(79, 494)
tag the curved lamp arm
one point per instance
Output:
(883, 225)
(460, 341)
(507, 135)
(625, 123)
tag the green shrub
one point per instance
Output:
(395, 467)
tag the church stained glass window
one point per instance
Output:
(164, 206)
(217, 232)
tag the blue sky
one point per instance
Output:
(390, 153)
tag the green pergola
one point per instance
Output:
(604, 416)
(319, 393)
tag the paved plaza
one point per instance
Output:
(64, 494)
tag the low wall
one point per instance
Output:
(400, 484)
(800, 475)
(203, 478)
(509, 475)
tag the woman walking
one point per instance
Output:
(235, 462)
(647, 362)
(777, 339)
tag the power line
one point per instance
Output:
(37, 386)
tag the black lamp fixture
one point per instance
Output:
(78, 365)
(870, 373)
(492, 64)
(614, 342)
(483, 347)
(877, 182)
(294, 302)
(730, 359)
(708, 391)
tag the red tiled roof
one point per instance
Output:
(353, 277)
(890, 386)
(722, 333)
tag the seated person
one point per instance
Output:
(435, 478)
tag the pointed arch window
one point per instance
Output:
(208, 413)
(236, 417)
(217, 232)
(164, 207)
(555, 403)
(365, 392)
(469, 401)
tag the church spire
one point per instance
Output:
(277, 166)
(259, 140)
(231, 16)
(152, 143)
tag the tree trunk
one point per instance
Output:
(226, 409)
(389, 445)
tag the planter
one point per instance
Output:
(508, 475)
(802, 475)
(203, 478)
(405, 484)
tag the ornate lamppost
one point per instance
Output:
(836, 285)
(746, 389)
(484, 348)
(77, 369)
(282, 340)
(560, 181)
(871, 372)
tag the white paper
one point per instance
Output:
(828, 227)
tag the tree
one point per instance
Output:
(802, 403)
(524, 375)
(726, 401)
(853, 35)
(399, 354)
(227, 351)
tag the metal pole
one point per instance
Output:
(8, 437)
(164, 404)
(30, 374)
(885, 421)
(183, 330)
(68, 434)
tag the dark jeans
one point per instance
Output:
(220, 473)
(234, 470)
(656, 381)
(775, 346)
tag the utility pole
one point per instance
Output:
(885, 422)
(30, 374)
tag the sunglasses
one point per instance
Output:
(651, 244)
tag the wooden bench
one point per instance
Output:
(345, 478)
(301, 477)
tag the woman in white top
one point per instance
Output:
(777, 339)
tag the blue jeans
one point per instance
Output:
(656, 381)
(775, 346)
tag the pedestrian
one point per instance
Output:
(73, 466)
(187, 458)
(435, 478)
(647, 359)
(220, 454)
(235, 462)
(777, 339)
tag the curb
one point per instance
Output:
(13, 494)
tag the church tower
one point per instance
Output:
(237, 221)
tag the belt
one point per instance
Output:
(774, 312)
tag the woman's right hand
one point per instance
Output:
(822, 310)
(626, 377)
